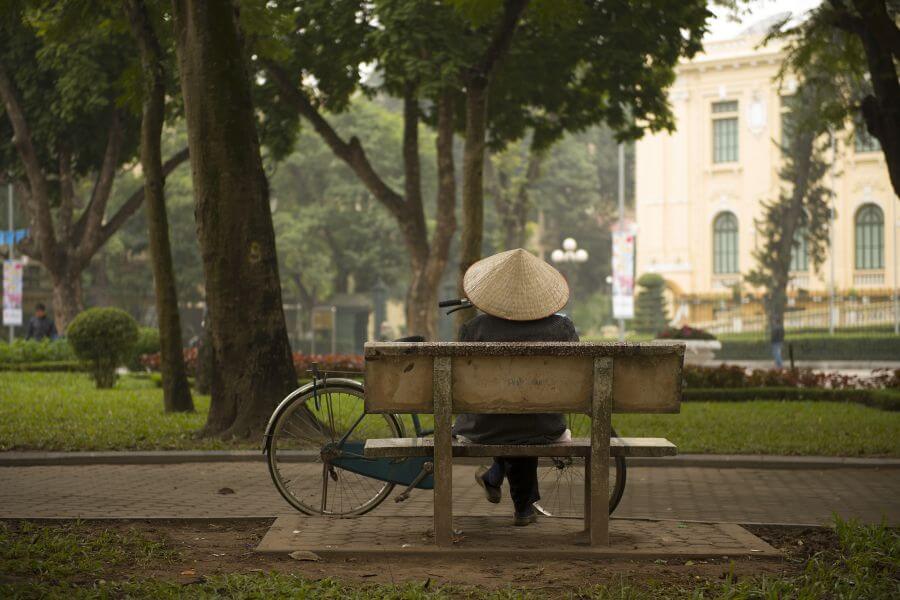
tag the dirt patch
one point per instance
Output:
(206, 548)
(797, 543)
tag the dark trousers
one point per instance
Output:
(521, 473)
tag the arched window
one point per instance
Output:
(725, 244)
(869, 237)
(800, 251)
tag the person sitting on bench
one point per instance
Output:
(519, 296)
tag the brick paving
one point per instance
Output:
(559, 538)
(681, 493)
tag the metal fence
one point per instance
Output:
(847, 315)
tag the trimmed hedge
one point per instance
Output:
(33, 351)
(816, 347)
(49, 366)
(883, 399)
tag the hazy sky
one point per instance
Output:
(724, 27)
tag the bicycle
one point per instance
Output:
(315, 439)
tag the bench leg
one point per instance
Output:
(597, 465)
(443, 454)
(587, 495)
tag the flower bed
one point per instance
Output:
(733, 376)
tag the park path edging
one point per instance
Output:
(161, 457)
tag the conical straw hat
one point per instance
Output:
(515, 285)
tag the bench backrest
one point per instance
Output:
(523, 377)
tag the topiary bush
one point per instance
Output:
(104, 338)
(147, 343)
(650, 306)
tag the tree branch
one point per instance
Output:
(96, 208)
(134, 202)
(351, 152)
(40, 202)
(500, 40)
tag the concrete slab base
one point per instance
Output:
(494, 536)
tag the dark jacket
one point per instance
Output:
(40, 328)
(514, 429)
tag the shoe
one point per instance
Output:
(491, 492)
(523, 519)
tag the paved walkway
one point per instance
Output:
(222, 490)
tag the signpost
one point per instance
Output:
(323, 319)
(12, 276)
(12, 294)
(622, 258)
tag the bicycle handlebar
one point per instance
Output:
(454, 302)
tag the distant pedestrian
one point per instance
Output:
(777, 338)
(40, 326)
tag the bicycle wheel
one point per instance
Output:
(561, 479)
(310, 439)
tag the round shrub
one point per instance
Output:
(104, 338)
(650, 306)
(147, 343)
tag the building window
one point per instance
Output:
(863, 141)
(725, 244)
(800, 251)
(725, 131)
(869, 238)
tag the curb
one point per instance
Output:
(166, 457)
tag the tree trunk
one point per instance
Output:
(803, 148)
(205, 361)
(473, 186)
(477, 81)
(880, 38)
(67, 297)
(253, 367)
(176, 391)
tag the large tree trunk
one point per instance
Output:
(67, 296)
(472, 186)
(880, 39)
(176, 391)
(253, 368)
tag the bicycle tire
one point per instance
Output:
(310, 444)
(561, 481)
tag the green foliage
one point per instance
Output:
(864, 567)
(105, 339)
(817, 50)
(882, 399)
(147, 343)
(51, 366)
(33, 351)
(70, 72)
(70, 551)
(591, 314)
(650, 313)
(815, 347)
(65, 412)
(802, 207)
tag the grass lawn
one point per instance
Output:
(83, 560)
(63, 411)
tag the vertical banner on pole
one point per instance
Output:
(12, 292)
(623, 272)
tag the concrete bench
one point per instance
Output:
(524, 377)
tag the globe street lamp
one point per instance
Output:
(570, 252)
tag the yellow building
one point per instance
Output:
(699, 190)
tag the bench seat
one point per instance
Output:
(618, 446)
